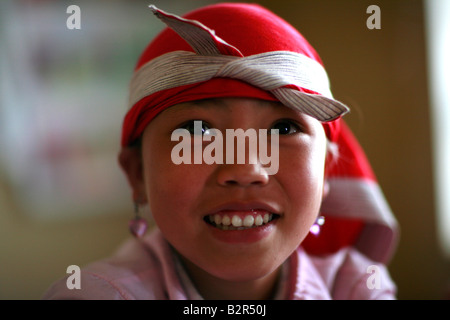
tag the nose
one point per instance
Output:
(242, 175)
(242, 164)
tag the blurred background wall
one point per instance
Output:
(76, 210)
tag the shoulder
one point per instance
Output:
(133, 272)
(350, 275)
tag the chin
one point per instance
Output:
(247, 269)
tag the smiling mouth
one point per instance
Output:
(243, 221)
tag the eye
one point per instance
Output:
(286, 126)
(196, 127)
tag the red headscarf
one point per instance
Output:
(355, 209)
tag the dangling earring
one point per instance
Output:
(315, 228)
(137, 225)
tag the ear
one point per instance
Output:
(130, 161)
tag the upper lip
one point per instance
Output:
(247, 205)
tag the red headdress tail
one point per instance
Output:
(357, 213)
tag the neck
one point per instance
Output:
(214, 288)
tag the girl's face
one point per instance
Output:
(196, 205)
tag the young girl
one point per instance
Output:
(316, 227)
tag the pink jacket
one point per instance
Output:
(148, 269)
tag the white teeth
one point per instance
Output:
(248, 221)
(226, 221)
(259, 220)
(237, 223)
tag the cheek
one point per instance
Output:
(172, 190)
(302, 169)
(302, 176)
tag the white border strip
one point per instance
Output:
(270, 71)
(359, 199)
(363, 199)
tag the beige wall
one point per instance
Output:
(380, 73)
